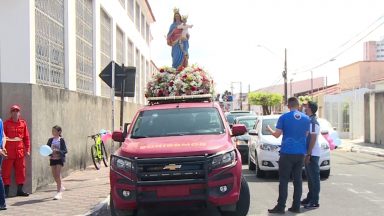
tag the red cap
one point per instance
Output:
(15, 107)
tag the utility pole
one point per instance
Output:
(241, 98)
(285, 78)
(249, 91)
(290, 87)
(311, 83)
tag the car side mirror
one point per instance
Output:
(117, 136)
(238, 130)
(253, 132)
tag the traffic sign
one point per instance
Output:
(122, 74)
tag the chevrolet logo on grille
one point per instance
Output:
(172, 167)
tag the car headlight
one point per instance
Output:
(324, 146)
(241, 142)
(223, 160)
(269, 147)
(122, 164)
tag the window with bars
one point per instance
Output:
(142, 30)
(49, 42)
(147, 32)
(131, 6)
(105, 48)
(137, 17)
(119, 46)
(84, 46)
(122, 2)
(130, 53)
(137, 80)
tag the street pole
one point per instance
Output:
(249, 91)
(311, 83)
(285, 78)
(113, 102)
(290, 88)
(240, 98)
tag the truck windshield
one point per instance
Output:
(177, 122)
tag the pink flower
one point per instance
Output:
(193, 88)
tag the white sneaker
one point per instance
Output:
(62, 189)
(58, 196)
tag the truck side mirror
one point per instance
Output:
(118, 136)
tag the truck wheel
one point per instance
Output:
(251, 165)
(325, 174)
(117, 212)
(242, 205)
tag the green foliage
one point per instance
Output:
(304, 98)
(266, 100)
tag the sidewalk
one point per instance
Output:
(86, 192)
(362, 147)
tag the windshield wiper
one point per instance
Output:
(139, 137)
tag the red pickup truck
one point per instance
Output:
(178, 152)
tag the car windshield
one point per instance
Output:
(177, 122)
(249, 123)
(271, 122)
(231, 117)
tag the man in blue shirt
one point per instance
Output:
(2, 154)
(294, 126)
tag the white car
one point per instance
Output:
(264, 149)
(326, 128)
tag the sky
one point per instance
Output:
(244, 40)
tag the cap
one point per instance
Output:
(313, 106)
(15, 107)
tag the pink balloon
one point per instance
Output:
(105, 137)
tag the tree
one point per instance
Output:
(306, 98)
(265, 100)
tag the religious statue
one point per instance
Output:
(177, 38)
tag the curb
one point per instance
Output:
(100, 209)
(366, 150)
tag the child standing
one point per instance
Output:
(57, 158)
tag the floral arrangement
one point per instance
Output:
(191, 80)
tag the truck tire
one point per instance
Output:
(251, 165)
(325, 174)
(116, 212)
(242, 205)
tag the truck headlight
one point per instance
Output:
(122, 164)
(269, 147)
(223, 160)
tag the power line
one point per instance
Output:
(348, 41)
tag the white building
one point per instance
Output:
(66, 43)
(51, 54)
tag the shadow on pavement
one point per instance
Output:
(30, 202)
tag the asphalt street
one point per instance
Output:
(355, 187)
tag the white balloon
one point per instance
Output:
(45, 150)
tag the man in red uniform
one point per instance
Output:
(18, 145)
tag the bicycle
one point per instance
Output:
(98, 151)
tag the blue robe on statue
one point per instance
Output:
(179, 45)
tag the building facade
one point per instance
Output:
(374, 50)
(51, 54)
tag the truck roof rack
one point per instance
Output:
(180, 99)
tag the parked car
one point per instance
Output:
(180, 153)
(327, 129)
(231, 116)
(264, 149)
(243, 140)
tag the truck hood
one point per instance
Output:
(175, 146)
